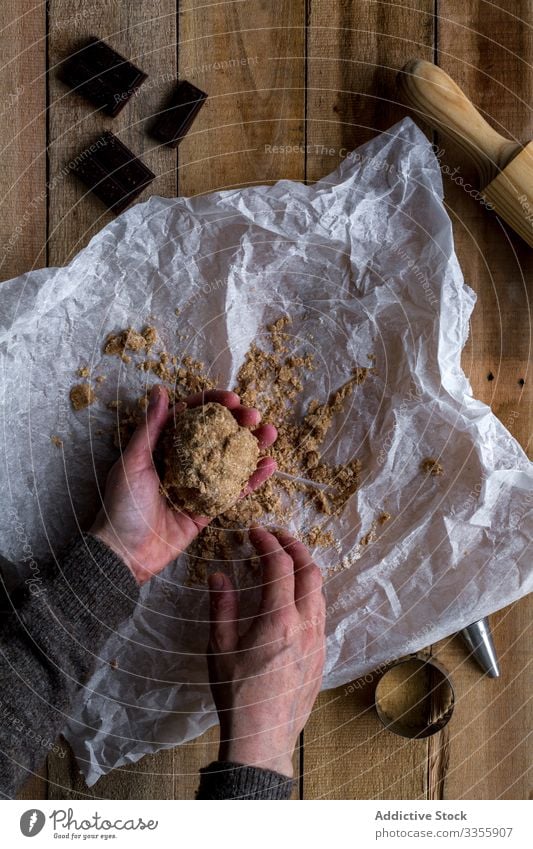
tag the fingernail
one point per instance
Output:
(216, 581)
(154, 397)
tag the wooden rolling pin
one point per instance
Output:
(505, 167)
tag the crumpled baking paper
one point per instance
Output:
(364, 263)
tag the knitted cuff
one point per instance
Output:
(91, 592)
(226, 780)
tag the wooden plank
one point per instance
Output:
(23, 165)
(355, 51)
(349, 755)
(250, 59)
(146, 34)
(221, 64)
(22, 137)
(489, 51)
(489, 746)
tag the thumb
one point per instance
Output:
(142, 444)
(224, 614)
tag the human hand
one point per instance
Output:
(136, 521)
(265, 683)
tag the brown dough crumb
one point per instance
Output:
(271, 378)
(208, 460)
(432, 467)
(57, 441)
(100, 378)
(371, 535)
(83, 371)
(81, 396)
(318, 537)
(150, 337)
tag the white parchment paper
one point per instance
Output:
(364, 263)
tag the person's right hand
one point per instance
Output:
(265, 682)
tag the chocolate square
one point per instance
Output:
(102, 75)
(112, 172)
(176, 119)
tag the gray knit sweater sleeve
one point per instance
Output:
(227, 780)
(49, 645)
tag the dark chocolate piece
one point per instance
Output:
(175, 121)
(112, 172)
(102, 75)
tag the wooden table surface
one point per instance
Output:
(319, 76)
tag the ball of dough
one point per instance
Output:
(208, 460)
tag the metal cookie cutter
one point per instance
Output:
(415, 697)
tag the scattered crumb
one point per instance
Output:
(100, 378)
(150, 337)
(432, 467)
(272, 378)
(370, 536)
(83, 371)
(176, 311)
(81, 396)
(57, 441)
(318, 537)
(372, 533)
(113, 663)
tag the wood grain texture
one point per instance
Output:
(489, 52)
(250, 58)
(354, 52)
(349, 755)
(169, 774)
(22, 136)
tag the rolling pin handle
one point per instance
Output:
(440, 101)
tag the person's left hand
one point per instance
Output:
(136, 521)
